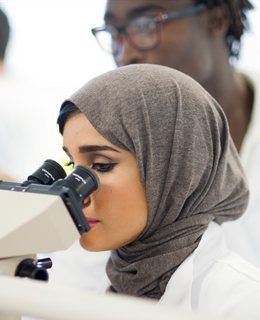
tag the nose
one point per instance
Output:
(128, 54)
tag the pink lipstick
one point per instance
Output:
(92, 222)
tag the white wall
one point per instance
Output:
(250, 52)
(51, 54)
(52, 39)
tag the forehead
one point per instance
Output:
(125, 9)
(79, 131)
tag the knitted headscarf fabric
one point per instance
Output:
(188, 165)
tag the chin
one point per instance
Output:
(89, 242)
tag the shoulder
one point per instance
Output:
(231, 287)
(216, 281)
(228, 274)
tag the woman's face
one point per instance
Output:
(117, 211)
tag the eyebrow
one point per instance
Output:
(92, 148)
(135, 12)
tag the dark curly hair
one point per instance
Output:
(237, 10)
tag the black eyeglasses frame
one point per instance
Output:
(160, 19)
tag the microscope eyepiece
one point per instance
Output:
(82, 181)
(46, 174)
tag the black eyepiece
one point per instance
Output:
(30, 268)
(82, 181)
(49, 172)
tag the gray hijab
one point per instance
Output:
(187, 161)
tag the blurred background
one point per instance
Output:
(51, 40)
(52, 53)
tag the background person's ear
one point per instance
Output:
(218, 20)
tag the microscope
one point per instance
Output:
(40, 215)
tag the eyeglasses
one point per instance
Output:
(142, 32)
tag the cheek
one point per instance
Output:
(120, 204)
(124, 203)
(123, 196)
(186, 53)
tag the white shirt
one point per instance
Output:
(243, 235)
(215, 281)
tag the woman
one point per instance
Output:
(169, 175)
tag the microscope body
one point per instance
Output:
(34, 222)
(42, 217)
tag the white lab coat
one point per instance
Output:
(243, 235)
(216, 281)
(213, 281)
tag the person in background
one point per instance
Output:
(4, 38)
(201, 38)
(169, 177)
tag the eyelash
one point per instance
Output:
(99, 167)
(69, 164)
(103, 167)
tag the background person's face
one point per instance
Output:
(185, 42)
(117, 211)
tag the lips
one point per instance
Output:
(92, 222)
